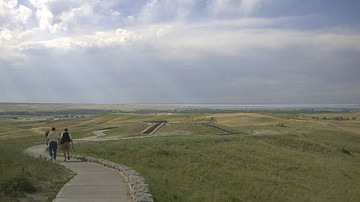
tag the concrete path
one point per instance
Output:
(91, 183)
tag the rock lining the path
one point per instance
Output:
(139, 189)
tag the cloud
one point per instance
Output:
(155, 11)
(195, 42)
(116, 13)
(231, 8)
(24, 13)
(248, 6)
(171, 51)
(55, 16)
(45, 18)
(13, 14)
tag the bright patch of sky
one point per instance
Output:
(180, 51)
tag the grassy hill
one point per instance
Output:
(270, 157)
(282, 158)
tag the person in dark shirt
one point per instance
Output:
(65, 140)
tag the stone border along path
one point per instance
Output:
(138, 187)
(92, 182)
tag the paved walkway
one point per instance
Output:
(91, 184)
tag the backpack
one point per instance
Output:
(65, 138)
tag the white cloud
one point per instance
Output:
(10, 47)
(57, 15)
(179, 41)
(156, 11)
(24, 13)
(198, 53)
(13, 15)
(117, 38)
(129, 20)
(6, 35)
(149, 12)
(220, 8)
(248, 6)
(115, 12)
(238, 38)
(10, 4)
(73, 15)
(39, 3)
(45, 18)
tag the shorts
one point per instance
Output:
(65, 146)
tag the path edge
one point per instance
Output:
(138, 187)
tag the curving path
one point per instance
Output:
(96, 182)
(91, 183)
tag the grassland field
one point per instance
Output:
(270, 157)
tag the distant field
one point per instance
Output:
(282, 158)
(271, 156)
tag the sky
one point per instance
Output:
(180, 51)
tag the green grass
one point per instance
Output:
(34, 179)
(238, 168)
(287, 157)
(284, 159)
(23, 177)
(127, 129)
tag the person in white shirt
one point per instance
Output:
(53, 139)
(65, 140)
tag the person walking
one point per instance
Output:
(65, 140)
(47, 133)
(52, 140)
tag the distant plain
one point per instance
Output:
(273, 154)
